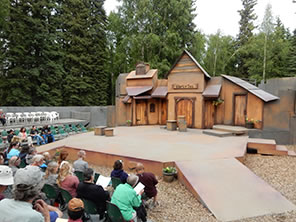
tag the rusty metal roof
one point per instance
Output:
(137, 90)
(160, 92)
(212, 91)
(265, 96)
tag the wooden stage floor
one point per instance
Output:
(207, 166)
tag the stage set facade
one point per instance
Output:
(188, 90)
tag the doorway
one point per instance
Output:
(240, 109)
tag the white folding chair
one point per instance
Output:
(10, 118)
(28, 117)
(35, 117)
(48, 116)
(20, 117)
(55, 115)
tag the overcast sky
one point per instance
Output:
(217, 14)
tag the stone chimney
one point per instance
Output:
(141, 69)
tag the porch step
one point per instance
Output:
(238, 130)
(279, 151)
(261, 144)
(217, 133)
(291, 153)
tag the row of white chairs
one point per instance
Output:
(31, 117)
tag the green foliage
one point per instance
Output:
(171, 170)
(292, 56)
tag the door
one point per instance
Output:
(163, 110)
(185, 108)
(209, 115)
(141, 112)
(240, 108)
(153, 113)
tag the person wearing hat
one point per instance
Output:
(75, 211)
(125, 198)
(6, 179)
(27, 205)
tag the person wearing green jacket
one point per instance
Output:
(125, 198)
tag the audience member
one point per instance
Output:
(24, 151)
(35, 136)
(6, 179)
(13, 150)
(80, 165)
(2, 117)
(2, 158)
(66, 179)
(118, 171)
(149, 180)
(14, 163)
(32, 152)
(125, 198)
(51, 173)
(90, 191)
(38, 160)
(49, 136)
(27, 205)
(63, 156)
(47, 157)
(75, 211)
(10, 135)
(22, 134)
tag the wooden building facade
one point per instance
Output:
(189, 91)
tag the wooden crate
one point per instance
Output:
(99, 130)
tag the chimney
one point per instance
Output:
(141, 69)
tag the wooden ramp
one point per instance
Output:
(230, 190)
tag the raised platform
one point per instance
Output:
(207, 165)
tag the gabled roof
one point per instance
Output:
(193, 59)
(265, 96)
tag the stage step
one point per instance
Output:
(238, 130)
(291, 153)
(217, 133)
(261, 144)
(230, 190)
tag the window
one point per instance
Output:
(152, 108)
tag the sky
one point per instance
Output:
(217, 14)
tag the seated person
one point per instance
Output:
(125, 198)
(14, 163)
(6, 179)
(118, 171)
(2, 117)
(10, 135)
(47, 157)
(49, 136)
(35, 136)
(51, 173)
(75, 211)
(66, 180)
(22, 134)
(95, 193)
(27, 205)
(80, 165)
(38, 160)
(13, 150)
(31, 153)
(149, 180)
(63, 156)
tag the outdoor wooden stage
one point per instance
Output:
(210, 167)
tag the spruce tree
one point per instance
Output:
(246, 29)
(292, 56)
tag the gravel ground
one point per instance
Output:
(178, 204)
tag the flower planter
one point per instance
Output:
(169, 177)
(249, 125)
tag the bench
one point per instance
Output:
(108, 131)
(100, 130)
